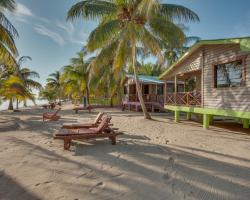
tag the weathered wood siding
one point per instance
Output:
(193, 63)
(236, 98)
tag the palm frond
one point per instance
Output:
(31, 84)
(7, 40)
(8, 4)
(121, 54)
(177, 12)
(91, 9)
(105, 56)
(23, 59)
(8, 25)
(6, 58)
(27, 73)
(103, 34)
(146, 7)
(167, 31)
(152, 43)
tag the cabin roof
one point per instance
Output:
(244, 43)
(147, 79)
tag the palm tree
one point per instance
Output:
(148, 69)
(48, 94)
(173, 53)
(84, 67)
(13, 87)
(53, 82)
(24, 76)
(8, 33)
(125, 25)
(107, 83)
(27, 76)
(76, 76)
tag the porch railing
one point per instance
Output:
(187, 98)
(146, 97)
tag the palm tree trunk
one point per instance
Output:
(87, 93)
(111, 104)
(138, 87)
(88, 100)
(11, 104)
(17, 103)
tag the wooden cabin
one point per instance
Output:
(217, 81)
(153, 90)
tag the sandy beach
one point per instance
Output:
(157, 159)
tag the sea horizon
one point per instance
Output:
(4, 105)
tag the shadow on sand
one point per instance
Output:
(135, 165)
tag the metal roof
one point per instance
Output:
(148, 79)
(244, 43)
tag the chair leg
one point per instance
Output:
(67, 144)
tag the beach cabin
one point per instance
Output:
(217, 81)
(153, 90)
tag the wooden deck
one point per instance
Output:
(136, 106)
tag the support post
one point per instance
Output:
(142, 89)
(156, 92)
(245, 123)
(175, 88)
(177, 116)
(128, 91)
(188, 115)
(206, 120)
(165, 93)
(211, 119)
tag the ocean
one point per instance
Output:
(4, 105)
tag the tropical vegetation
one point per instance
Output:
(82, 79)
(127, 25)
(17, 83)
(128, 32)
(8, 33)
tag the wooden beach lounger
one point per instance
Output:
(97, 121)
(84, 134)
(52, 116)
(79, 108)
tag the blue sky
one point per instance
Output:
(51, 41)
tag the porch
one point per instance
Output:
(152, 93)
(185, 98)
(189, 94)
(146, 97)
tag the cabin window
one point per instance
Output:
(146, 89)
(180, 88)
(125, 90)
(160, 90)
(170, 88)
(229, 74)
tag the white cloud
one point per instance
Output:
(42, 30)
(68, 27)
(73, 36)
(61, 32)
(23, 10)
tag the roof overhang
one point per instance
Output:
(147, 79)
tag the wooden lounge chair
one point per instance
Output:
(97, 121)
(101, 131)
(51, 116)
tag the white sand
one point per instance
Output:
(156, 159)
